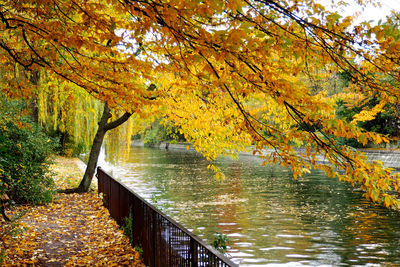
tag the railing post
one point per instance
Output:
(154, 215)
(193, 253)
(99, 181)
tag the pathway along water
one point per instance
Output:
(268, 217)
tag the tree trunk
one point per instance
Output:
(104, 126)
(93, 157)
(4, 199)
(92, 163)
(95, 150)
(33, 106)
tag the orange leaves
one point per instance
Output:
(228, 73)
(76, 43)
(235, 38)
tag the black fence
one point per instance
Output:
(164, 241)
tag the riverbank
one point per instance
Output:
(389, 157)
(74, 230)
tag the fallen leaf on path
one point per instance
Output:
(74, 230)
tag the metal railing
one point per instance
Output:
(164, 241)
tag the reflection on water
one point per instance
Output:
(268, 217)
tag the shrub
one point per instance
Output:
(385, 122)
(24, 150)
(220, 242)
(128, 226)
(155, 136)
(159, 132)
(67, 146)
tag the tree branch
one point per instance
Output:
(117, 122)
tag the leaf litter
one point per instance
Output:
(73, 230)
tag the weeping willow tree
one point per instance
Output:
(118, 140)
(59, 106)
(69, 111)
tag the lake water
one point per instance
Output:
(269, 218)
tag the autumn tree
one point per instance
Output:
(34, 48)
(228, 73)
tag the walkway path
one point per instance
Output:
(74, 230)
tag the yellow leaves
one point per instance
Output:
(234, 5)
(367, 115)
(137, 255)
(379, 32)
(219, 175)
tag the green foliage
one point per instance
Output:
(344, 78)
(67, 145)
(220, 242)
(75, 149)
(127, 228)
(385, 122)
(24, 150)
(349, 142)
(155, 135)
(175, 135)
(140, 251)
(160, 132)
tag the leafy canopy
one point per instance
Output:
(229, 73)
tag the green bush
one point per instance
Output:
(24, 150)
(67, 146)
(220, 242)
(160, 132)
(349, 142)
(155, 135)
(127, 227)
